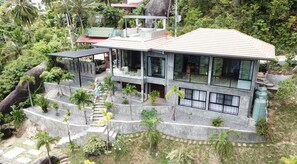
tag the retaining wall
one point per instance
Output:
(275, 79)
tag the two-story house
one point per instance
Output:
(217, 68)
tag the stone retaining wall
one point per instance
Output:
(54, 127)
(185, 131)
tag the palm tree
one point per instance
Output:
(106, 120)
(44, 139)
(66, 120)
(81, 98)
(178, 94)
(82, 8)
(24, 13)
(68, 77)
(111, 84)
(130, 90)
(223, 145)
(28, 79)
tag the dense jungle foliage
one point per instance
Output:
(26, 36)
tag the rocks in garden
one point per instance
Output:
(295, 70)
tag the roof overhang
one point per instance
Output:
(79, 53)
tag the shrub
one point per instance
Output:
(287, 89)
(153, 96)
(18, 116)
(217, 122)
(94, 146)
(42, 102)
(291, 160)
(147, 114)
(108, 105)
(119, 147)
(262, 128)
(125, 100)
(71, 146)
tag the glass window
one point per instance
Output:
(224, 103)
(193, 98)
(191, 68)
(156, 67)
(232, 73)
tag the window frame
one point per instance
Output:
(192, 99)
(199, 64)
(223, 104)
(147, 65)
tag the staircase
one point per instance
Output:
(93, 130)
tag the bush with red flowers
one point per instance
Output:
(262, 128)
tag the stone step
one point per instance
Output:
(65, 140)
(97, 114)
(95, 124)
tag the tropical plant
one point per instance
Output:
(177, 94)
(119, 146)
(287, 90)
(223, 146)
(290, 160)
(81, 98)
(66, 120)
(18, 116)
(56, 107)
(23, 13)
(28, 79)
(112, 17)
(125, 100)
(88, 162)
(106, 120)
(180, 155)
(217, 122)
(42, 102)
(108, 105)
(94, 146)
(110, 84)
(151, 135)
(153, 96)
(68, 77)
(130, 90)
(44, 139)
(262, 128)
(55, 75)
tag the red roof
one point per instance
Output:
(124, 5)
(85, 39)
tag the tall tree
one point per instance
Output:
(44, 139)
(28, 79)
(106, 120)
(177, 94)
(81, 98)
(23, 13)
(82, 8)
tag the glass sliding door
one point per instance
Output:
(156, 67)
(232, 73)
(191, 68)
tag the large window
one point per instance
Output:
(156, 67)
(224, 103)
(191, 68)
(128, 64)
(193, 98)
(232, 73)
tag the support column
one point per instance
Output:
(142, 77)
(79, 75)
(209, 69)
(110, 62)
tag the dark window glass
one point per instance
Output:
(193, 98)
(156, 67)
(224, 103)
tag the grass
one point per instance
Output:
(282, 119)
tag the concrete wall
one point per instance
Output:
(185, 131)
(275, 79)
(53, 126)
